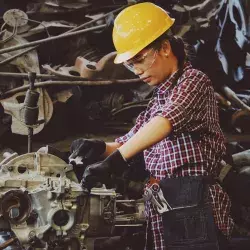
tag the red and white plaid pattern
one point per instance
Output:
(195, 147)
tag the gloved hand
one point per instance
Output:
(88, 149)
(102, 171)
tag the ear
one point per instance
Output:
(166, 47)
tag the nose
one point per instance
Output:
(138, 71)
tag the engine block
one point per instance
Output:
(46, 208)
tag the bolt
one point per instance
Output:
(10, 168)
(32, 235)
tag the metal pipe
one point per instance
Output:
(42, 76)
(32, 78)
(26, 45)
(7, 243)
(129, 225)
(127, 201)
(70, 83)
(17, 55)
(231, 95)
(30, 136)
(10, 37)
(93, 21)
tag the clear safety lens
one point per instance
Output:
(142, 62)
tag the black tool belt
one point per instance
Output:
(190, 224)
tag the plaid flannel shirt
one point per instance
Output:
(194, 147)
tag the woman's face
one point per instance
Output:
(153, 66)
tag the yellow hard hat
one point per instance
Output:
(136, 27)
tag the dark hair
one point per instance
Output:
(179, 47)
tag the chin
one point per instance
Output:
(152, 83)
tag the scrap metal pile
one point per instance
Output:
(62, 52)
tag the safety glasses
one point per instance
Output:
(142, 62)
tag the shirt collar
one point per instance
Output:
(165, 86)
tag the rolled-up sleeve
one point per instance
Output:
(138, 124)
(186, 103)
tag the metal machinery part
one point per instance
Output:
(233, 18)
(14, 105)
(15, 17)
(15, 108)
(46, 207)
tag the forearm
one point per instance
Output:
(110, 148)
(154, 131)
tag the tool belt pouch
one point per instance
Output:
(190, 225)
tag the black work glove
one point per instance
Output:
(113, 165)
(89, 150)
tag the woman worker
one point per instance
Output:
(179, 133)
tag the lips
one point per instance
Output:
(146, 79)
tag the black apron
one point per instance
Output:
(190, 225)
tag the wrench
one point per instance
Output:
(154, 194)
